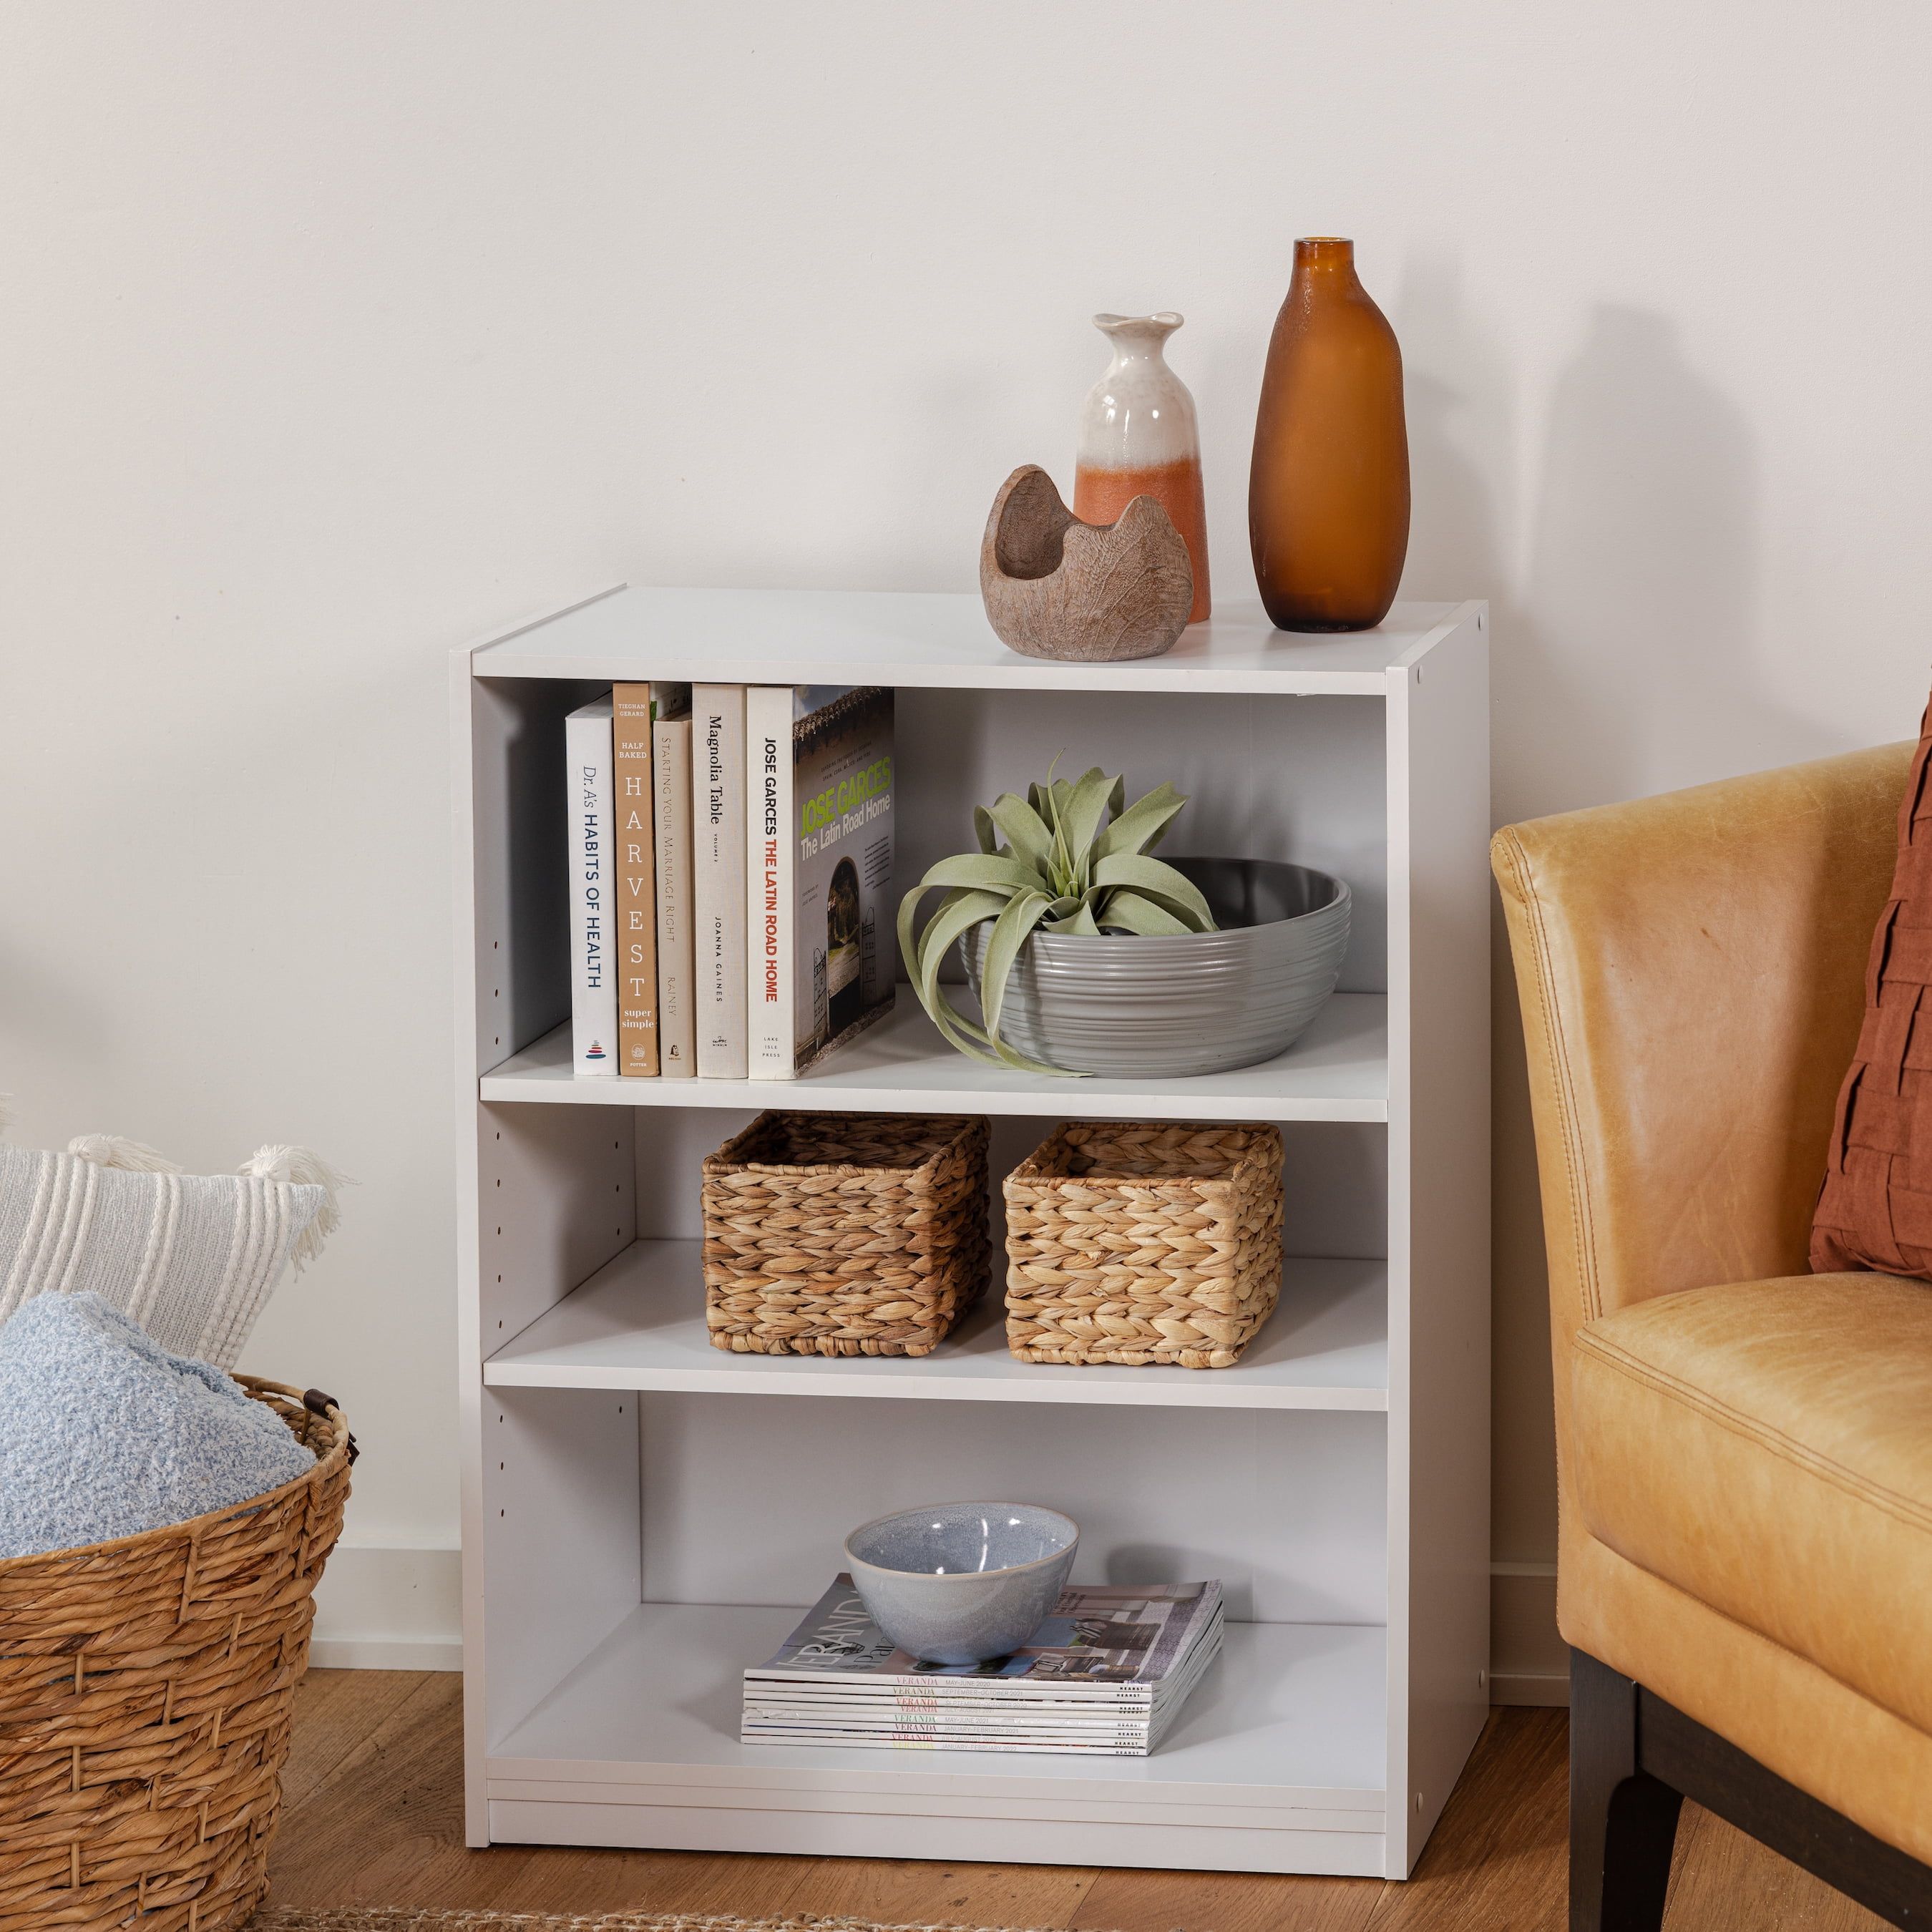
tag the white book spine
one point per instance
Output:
(670, 777)
(772, 853)
(718, 891)
(593, 987)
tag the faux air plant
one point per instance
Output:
(1070, 857)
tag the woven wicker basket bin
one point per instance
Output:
(844, 1234)
(1139, 1245)
(145, 1692)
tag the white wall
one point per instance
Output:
(333, 334)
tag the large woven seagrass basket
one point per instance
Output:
(145, 1694)
(845, 1233)
(1143, 1244)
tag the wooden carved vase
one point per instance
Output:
(1328, 492)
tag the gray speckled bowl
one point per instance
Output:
(960, 1583)
(1199, 1002)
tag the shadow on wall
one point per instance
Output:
(1461, 393)
(1627, 662)
(1639, 669)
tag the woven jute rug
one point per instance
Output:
(273, 1920)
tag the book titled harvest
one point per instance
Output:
(636, 896)
(818, 770)
(593, 979)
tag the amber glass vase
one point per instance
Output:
(1328, 493)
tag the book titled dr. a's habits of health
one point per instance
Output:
(589, 792)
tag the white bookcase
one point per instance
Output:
(642, 1514)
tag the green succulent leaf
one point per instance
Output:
(1079, 922)
(1026, 832)
(985, 829)
(983, 871)
(1011, 931)
(1142, 826)
(957, 911)
(1080, 823)
(1128, 912)
(1155, 879)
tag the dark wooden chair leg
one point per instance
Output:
(1623, 1822)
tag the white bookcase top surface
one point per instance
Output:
(639, 1324)
(938, 638)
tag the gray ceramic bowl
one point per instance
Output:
(960, 1583)
(1199, 1003)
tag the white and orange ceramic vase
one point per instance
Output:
(1138, 438)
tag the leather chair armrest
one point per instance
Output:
(1691, 969)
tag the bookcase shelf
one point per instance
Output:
(1338, 1070)
(637, 1505)
(638, 1323)
(1277, 1764)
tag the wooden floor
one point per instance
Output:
(372, 1815)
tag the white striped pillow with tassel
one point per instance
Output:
(193, 1258)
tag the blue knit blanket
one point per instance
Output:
(104, 1434)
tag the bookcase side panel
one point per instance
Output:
(542, 1203)
(559, 1547)
(550, 1547)
(519, 864)
(1439, 1339)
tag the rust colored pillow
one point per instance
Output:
(1876, 1208)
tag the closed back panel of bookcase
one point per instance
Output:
(1294, 779)
(747, 1499)
(1334, 1174)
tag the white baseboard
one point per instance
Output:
(388, 1608)
(1529, 1663)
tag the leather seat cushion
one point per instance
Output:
(1766, 1446)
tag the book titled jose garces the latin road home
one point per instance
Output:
(818, 769)
(593, 990)
(718, 876)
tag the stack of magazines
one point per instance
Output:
(1104, 1676)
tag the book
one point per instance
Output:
(670, 781)
(717, 876)
(818, 767)
(1108, 1672)
(636, 870)
(593, 977)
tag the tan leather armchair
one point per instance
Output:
(1744, 1448)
